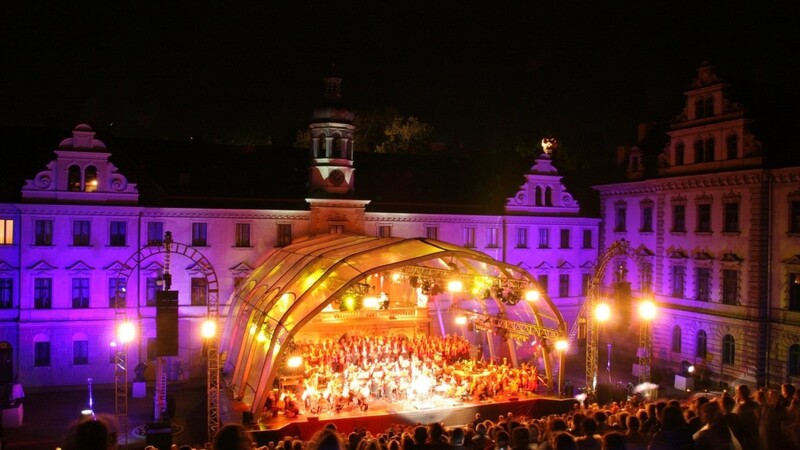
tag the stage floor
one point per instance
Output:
(381, 415)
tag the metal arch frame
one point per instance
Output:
(121, 316)
(274, 345)
(618, 248)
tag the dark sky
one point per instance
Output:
(483, 74)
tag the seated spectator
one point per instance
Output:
(232, 437)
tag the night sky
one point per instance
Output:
(483, 74)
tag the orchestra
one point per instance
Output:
(346, 375)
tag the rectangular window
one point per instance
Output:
(544, 238)
(647, 276)
(563, 285)
(243, 235)
(80, 353)
(199, 292)
(116, 288)
(704, 218)
(679, 218)
(543, 282)
(522, 238)
(619, 218)
(469, 237)
(336, 229)
(647, 218)
(6, 293)
(730, 286)
(41, 354)
(586, 278)
(6, 232)
(152, 285)
(81, 233)
(284, 234)
(118, 234)
(587, 239)
(385, 231)
(564, 238)
(491, 237)
(794, 217)
(42, 293)
(432, 232)
(678, 275)
(155, 233)
(43, 232)
(794, 291)
(731, 219)
(199, 234)
(80, 292)
(703, 283)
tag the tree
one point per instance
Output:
(406, 135)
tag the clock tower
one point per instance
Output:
(334, 208)
(331, 174)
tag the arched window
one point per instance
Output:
(679, 152)
(548, 196)
(699, 156)
(538, 200)
(74, 179)
(699, 108)
(732, 146)
(322, 150)
(676, 339)
(701, 347)
(90, 179)
(338, 147)
(794, 360)
(728, 349)
(709, 150)
(709, 107)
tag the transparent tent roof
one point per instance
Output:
(297, 282)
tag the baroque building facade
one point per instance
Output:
(70, 232)
(717, 226)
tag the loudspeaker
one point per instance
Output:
(607, 393)
(167, 323)
(159, 435)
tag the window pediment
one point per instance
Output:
(116, 266)
(677, 254)
(241, 269)
(793, 260)
(79, 268)
(39, 266)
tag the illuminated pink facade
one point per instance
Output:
(80, 222)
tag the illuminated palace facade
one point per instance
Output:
(719, 228)
(71, 228)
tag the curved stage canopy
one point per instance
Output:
(297, 282)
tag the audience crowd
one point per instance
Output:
(768, 419)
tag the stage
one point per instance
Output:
(381, 415)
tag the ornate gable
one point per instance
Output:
(543, 192)
(82, 173)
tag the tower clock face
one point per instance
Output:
(336, 177)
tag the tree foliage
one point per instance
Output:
(406, 135)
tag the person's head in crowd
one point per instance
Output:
(742, 393)
(420, 434)
(600, 417)
(435, 431)
(589, 427)
(502, 439)
(97, 432)
(232, 436)
(394, 444)
(457, 436)
(699, 402)
(787, 390)
(326, 439)
(710, 412)
(672, 418)
(726, 403)
(633, 425)
(564, 441)
(613, 440)
(481, 429)
(520, 437)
